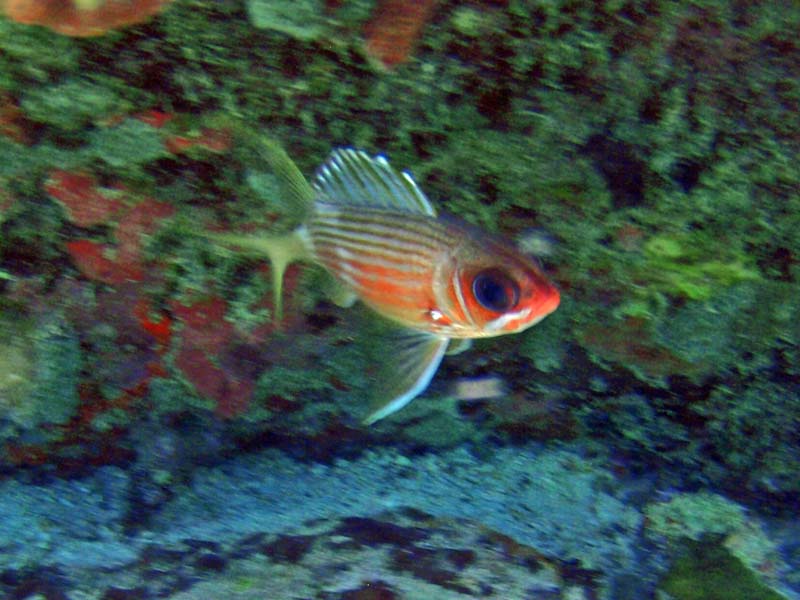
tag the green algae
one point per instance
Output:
(127, 146)
(289, 383)
(689, 266)
(304, 20)
(749, 429)
(696, 516)
(707, 571)
(441, 428)
(71, 105)
(544, 346)
(33, 54)
(17, 367)
(39, 366)
(174, 395)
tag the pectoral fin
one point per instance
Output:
(407, 372)
(337, 292)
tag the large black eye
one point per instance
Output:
(495, 290)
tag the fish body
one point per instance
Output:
(431, 274)
(374, 230)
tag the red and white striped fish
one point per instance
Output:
(375, 231)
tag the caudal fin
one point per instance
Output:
(281, 250)
(296, 192)
(298, 196)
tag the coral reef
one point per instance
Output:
(205, 335)
(512, 114)
(411, 554)
(14, 125)
(752, 431)
(647, 152)
(714, 526)
(88, 205)
(265, 519)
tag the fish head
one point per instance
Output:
(493, 289)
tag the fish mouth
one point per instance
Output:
(535, 320)
(527, 317)
(549, 305)
(512, 321)
(532, 315)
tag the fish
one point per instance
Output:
(442, 281)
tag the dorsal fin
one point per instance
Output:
(353, 178)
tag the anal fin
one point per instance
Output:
(459, 345)
(408, 372)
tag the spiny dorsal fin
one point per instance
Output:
(353, 178)
(414, 362)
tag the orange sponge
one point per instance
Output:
(81, 18)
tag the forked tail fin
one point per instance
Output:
(281, 250)
(298, 195)
(294, 186)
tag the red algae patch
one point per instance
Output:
(98, 263)
(86, 203)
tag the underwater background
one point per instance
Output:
(162, 437)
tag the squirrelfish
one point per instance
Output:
(377, 234)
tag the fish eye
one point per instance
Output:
(495, 290)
